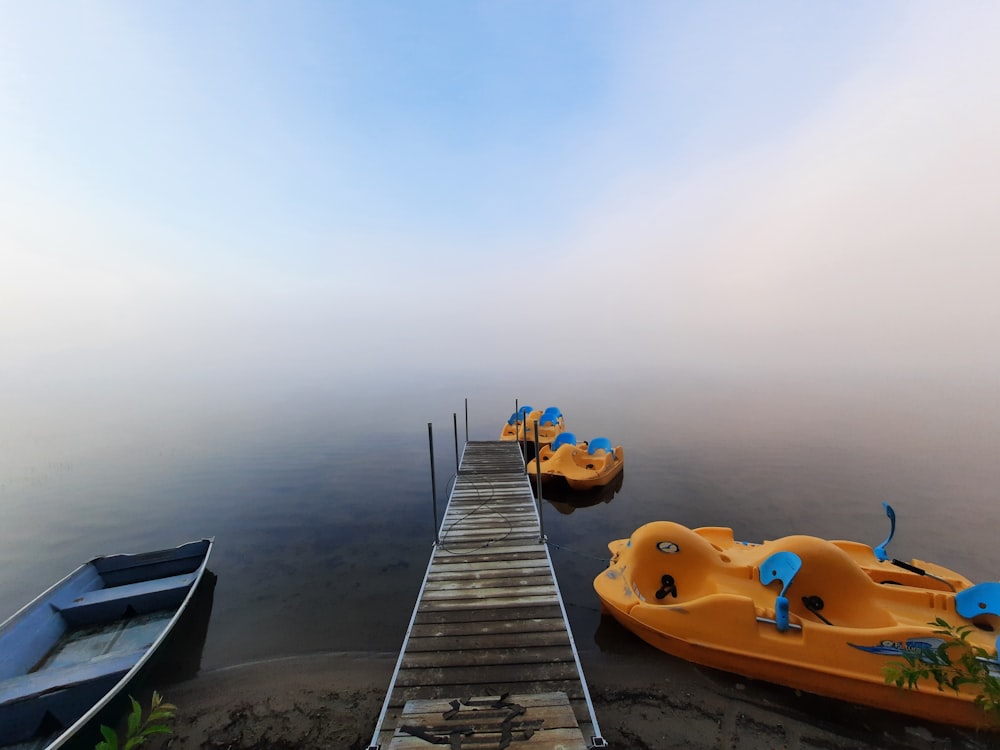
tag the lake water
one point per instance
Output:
(320, 500)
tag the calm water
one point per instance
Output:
(321, 508)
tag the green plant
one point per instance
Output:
(951, 664)
(139, 730)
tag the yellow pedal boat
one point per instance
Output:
(521, 425)
(583, 465)
(815, 615)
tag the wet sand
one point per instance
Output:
(333, 701)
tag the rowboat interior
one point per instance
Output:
(66, 650)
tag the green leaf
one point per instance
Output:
(161, 713)
(138, 730)
(156, 729)
(134, 717)
(110, 738)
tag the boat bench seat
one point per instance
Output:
(115, 601)
(44, 681)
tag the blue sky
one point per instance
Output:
(193, 190)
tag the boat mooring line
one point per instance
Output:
(603, 560)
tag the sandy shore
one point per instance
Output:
(333, 701)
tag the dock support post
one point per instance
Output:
(434, 502)
(467, 420)
(538, 476)
(454, 419)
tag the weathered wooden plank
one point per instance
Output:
(457, 571)
(495, 569)
(516, 516)
(506, 527)
(496, 553)
(483, 585)
(462, 575)
(535, 611)
(509, 485)
(476, 536)
(471, 641)
(488, 657)
(490, 501)
(480, 518)
(451, 628)
(493, 493)
(489, 590)
(496, 604)
(490, 674)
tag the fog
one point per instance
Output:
(844, 230)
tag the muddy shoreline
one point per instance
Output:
(333, 700)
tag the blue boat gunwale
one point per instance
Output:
(126, 570)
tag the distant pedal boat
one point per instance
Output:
(521, 425)
(72, 650)
(842, 611)
(583, 465)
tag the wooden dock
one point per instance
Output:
(489, 659)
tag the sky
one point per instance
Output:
(197, 193)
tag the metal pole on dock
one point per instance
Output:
(454, 419)
(466, 420)
(517, 416)
(538, 475)
(434, 502)
(524, 440)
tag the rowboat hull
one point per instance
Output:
(69, 653)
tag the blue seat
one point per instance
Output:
(551, 415)
(564, 438)
(520, 415)
(600, 443)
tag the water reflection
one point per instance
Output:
(565, 499)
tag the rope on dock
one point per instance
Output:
(484, 501)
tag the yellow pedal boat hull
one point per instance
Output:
(521, 425)
(698, 594)
(583, 465)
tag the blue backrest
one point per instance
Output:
(600, 443)
(981, 599)
(781, 566)
(564, 438)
